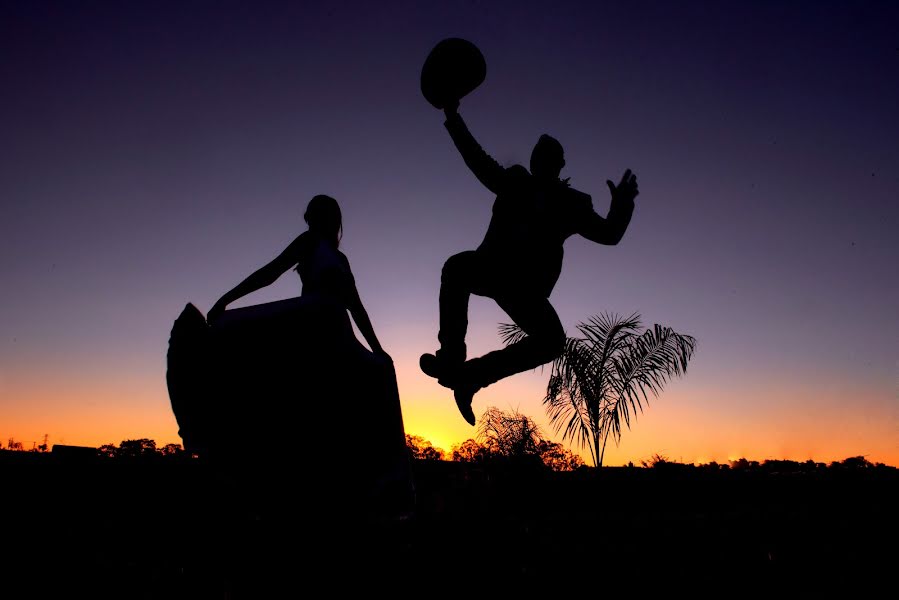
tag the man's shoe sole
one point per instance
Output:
(467, 413)
(463, 397)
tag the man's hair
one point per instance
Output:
(549, 154)
(552, 143)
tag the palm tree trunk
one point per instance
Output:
(604, 440)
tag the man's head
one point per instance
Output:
(548, 158)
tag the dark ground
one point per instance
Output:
(170, 528)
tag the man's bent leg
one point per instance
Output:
(460, 277)
(545, 341)
(457, 282)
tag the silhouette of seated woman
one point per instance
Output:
(324, 271)
(284, 369)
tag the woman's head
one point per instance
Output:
(323, 217)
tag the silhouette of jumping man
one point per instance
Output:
(519, 261)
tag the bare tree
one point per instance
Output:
(509, 433)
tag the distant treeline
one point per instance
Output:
(767, 466)
(519, 442)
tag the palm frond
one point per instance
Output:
(511, 333)
(643, 367)
(566, 413)
(606, 375)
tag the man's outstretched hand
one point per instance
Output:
(626, 189)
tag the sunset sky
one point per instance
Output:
(155, 154)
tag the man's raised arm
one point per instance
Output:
(610, 230)
(488, 171)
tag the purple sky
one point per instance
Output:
(154, 154)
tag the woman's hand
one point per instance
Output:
(215, 312)
(382, 356)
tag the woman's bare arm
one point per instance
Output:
(261, 278)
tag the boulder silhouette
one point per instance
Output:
(287, 383)
(187, 378)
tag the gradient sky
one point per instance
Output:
(154, 154)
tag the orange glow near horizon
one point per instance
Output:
(690, 425)
(764, 226)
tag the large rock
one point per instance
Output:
(288, 385)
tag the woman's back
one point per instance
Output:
(324, 270)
